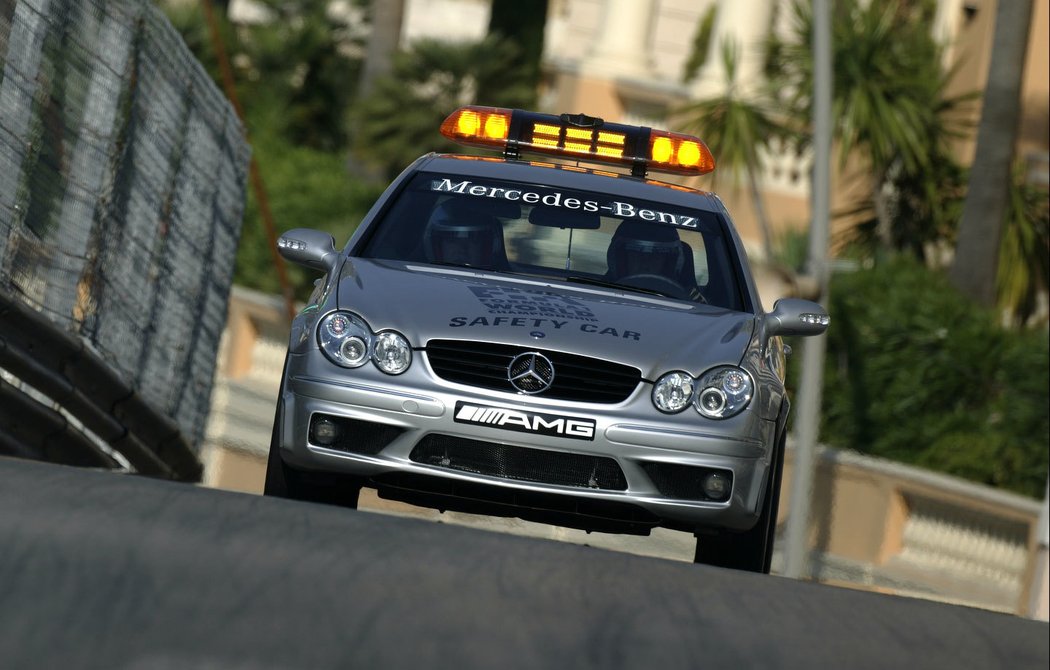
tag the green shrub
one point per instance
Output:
(307, 188)
(916, 373)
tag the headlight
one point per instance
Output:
(345, 339)
(724, 392)
(392, 354)
(673, 392)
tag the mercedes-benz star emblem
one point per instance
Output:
(531, 373)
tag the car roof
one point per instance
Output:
(593, 179)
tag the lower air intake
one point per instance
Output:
(520, 463)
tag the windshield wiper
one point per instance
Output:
(608, 284)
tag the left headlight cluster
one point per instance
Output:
(348, 341)
(718, 394)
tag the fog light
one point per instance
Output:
(324, 432)
(716, 486)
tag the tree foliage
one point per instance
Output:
(918, 375)
(304, 58)
(295, 75)
(701, 44)
(522, 22)
(308, 189)
(398, 122)
(1024, 251)
(891, 106)
(739, 127)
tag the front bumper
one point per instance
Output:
(419, 409)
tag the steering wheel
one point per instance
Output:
(658, 283)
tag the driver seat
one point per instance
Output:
(640, 248)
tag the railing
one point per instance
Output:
(886, 525)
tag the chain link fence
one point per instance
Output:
(122, 172)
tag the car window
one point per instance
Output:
(578, 236)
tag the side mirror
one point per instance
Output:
(310, 248)
(792, 316)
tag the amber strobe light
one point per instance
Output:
(478, 126)
(679, 153)
(578, 136)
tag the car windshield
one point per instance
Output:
(585, 237)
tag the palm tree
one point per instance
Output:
(889, 95)
(980, 230)
(1024, 252)
(738, 128)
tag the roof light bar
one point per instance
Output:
(578, 136)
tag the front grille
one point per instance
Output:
(356, 436)
(682, 482)
(579, 378)
(520, 463)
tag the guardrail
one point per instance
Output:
(66, 374)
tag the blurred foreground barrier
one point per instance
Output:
(63, 372)
(122, 172)
(97, 575)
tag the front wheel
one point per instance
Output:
(751, 550)
(284, 481)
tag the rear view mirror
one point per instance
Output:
(564, 218)
(310, 248)
(792, 316)
(471, 207)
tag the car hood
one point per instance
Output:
(425, 302)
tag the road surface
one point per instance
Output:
(101, 570)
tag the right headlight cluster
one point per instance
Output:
(348, 341)
(718, 394)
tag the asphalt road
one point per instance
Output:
(100, 570)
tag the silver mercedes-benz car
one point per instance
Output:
(577, 345)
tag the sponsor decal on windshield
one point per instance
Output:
(622, 210)
(576, 428)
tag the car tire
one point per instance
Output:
(284, 481)
(751, 550)
(276, 483)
